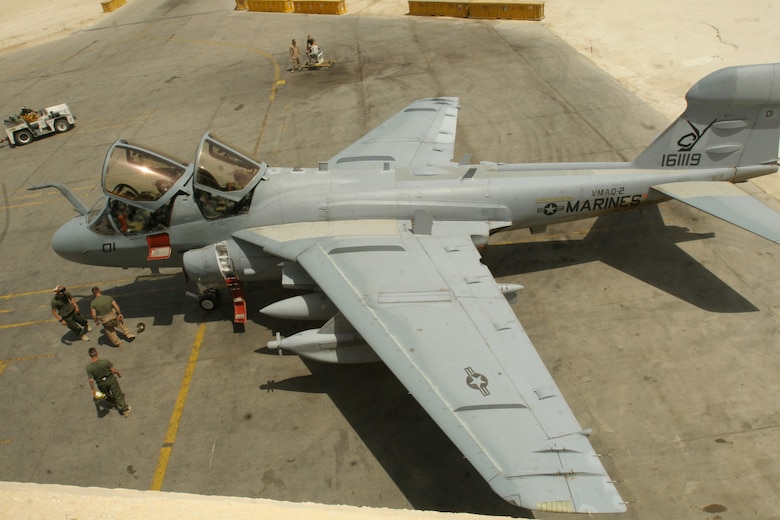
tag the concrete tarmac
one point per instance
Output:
(660, 326)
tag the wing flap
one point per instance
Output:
(435, 315)
(727, 202)
(421, 135)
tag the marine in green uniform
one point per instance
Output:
(65, 309)
(105, 310)
(103, 373)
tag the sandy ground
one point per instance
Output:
(34, 21)
(657, 49)
(660, 48)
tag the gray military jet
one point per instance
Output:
(386, 235)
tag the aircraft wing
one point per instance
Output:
(727, 202)
(435, 315)
(421, 135)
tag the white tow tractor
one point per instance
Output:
(28, 125)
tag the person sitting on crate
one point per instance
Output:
(309, 41)
(315, 54)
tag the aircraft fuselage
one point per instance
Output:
(509, 196)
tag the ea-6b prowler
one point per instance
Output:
(385, 234)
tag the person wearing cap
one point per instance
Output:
(106, 311)
(103, 373)
(65, 309)
(295, 56)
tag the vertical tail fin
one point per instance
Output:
(732, 121)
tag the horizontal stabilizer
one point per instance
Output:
(729, 203)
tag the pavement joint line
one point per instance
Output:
(138, 120)
(178, 409)
(274, 83)
(110, 120)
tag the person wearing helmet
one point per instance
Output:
(101, 372)
(65, 309)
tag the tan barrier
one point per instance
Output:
(438, 8)
(506, 9)
(320, 6)
(241, 5)
(513, 10)
(271, 6)
(112, 5)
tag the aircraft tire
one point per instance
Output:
(208, 301)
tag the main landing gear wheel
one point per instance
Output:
(208, 300)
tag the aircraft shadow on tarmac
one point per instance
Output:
(637, 243)
(155, 299)
(427, 468)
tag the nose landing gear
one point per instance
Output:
(209, 299)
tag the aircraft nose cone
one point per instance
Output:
(66, 241)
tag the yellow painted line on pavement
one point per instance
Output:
(178, 409)
(131, 310)
(36, 194)
(28, 358)
(25, 324)
(69, 287)
(271, 97)
(24, 309)
(267, 55)
(40, 197)
(37, 203)
(5, 362)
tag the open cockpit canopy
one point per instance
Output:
(141, 184)
(142, 177)
(225, 179)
